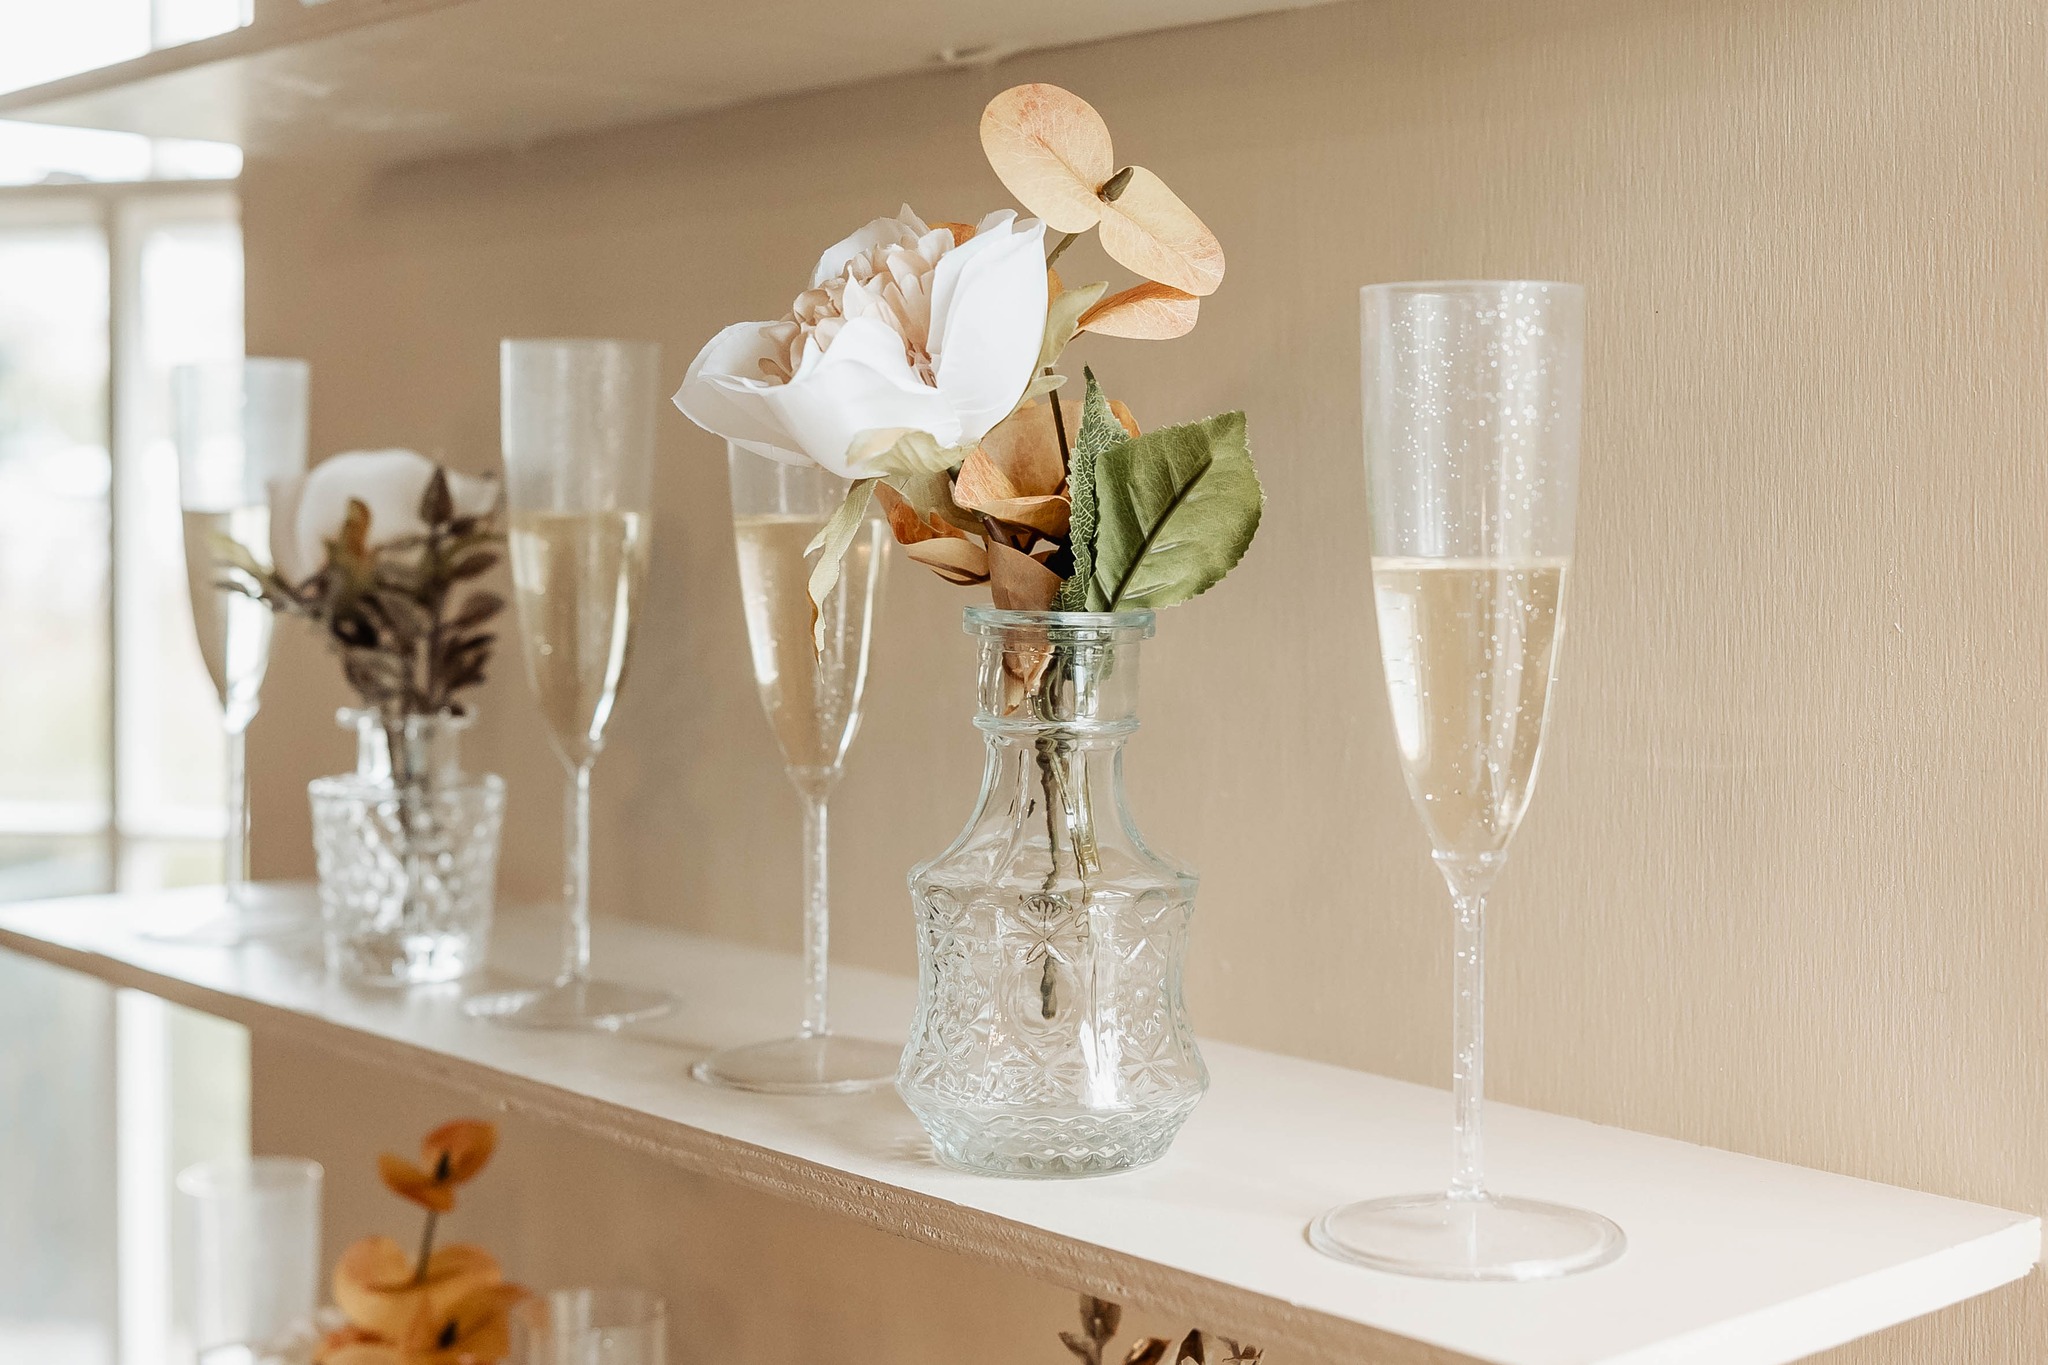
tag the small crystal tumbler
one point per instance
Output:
(1051, 1038)
(251, 1259)
(590, 1327)
(408, 854)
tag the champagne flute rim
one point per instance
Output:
(1488, 560)
(585, 343)
(260, 1172)
(280, 363)
(641, 1307)
(1466, 286)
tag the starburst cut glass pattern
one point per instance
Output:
(1051, 1037)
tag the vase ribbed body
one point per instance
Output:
(1051, 1036)
(407, 854)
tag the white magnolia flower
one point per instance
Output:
(902, 329)
(307, 512)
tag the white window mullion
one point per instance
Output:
(142, 1184)
(142, 1176)
(124, 295)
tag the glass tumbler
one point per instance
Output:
(253, 1257)
(590, 1327)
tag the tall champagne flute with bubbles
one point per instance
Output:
(813, 697)
(1472, 398)
(239, 427)
(578, 435)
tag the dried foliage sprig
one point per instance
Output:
(1099, 1322)
(409, 637)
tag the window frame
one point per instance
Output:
(125, 214)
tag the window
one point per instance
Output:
(110, 745)
(48, 41)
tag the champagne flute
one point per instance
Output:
(578, 435)
(239, 427)
(1472, 396)
(813, 699)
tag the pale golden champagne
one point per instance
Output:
(233, 628)
(812, 700)
(1469, 648)
(577, 579)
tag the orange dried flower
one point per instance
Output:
(450, 1155)
(474, 1331)
(353, 1345)
(379, 1290)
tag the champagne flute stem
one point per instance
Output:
(576, 877)
(1468, 1046)
(235, 847)
(817, 915)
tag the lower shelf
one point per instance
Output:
(1731, 1260)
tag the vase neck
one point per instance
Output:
(414, 748)
(1072, 676)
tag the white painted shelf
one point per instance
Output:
(1731, 1260)
(398, 80)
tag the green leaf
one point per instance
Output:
(1063, 319)
(1100, 432)
(1178, 507)
(832, 541)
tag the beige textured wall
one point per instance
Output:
(1781, 886)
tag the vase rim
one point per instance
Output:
(1061, 627)
(349, 717)
(986, 621)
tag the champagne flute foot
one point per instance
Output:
(1490, 1237)
(809, 1064)
(575, 1004)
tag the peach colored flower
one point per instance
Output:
(450, 1155)
(475, 1330)
(378, 1291)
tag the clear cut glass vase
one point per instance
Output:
(407, 853)
(1051, 1037)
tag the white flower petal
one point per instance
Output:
(720, 391)
(992, 236)
(862, 383)
(388, 482)
(902, 230)
(988, 318)
(474, 495)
